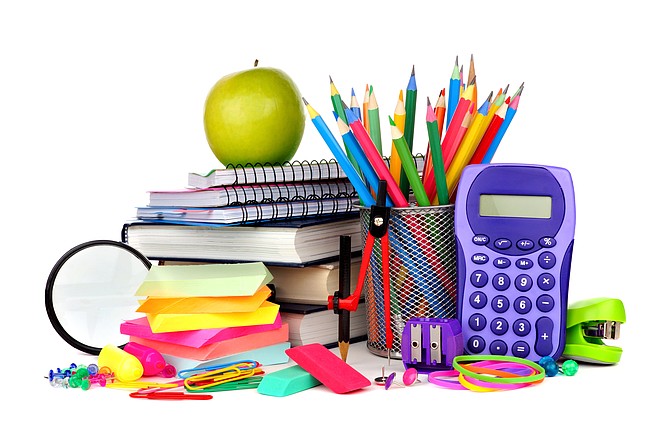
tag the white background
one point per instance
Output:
(102, 101)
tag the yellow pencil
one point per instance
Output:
(366, 104)
(472, 79)
(399, 119)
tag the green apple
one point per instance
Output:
(254, 116)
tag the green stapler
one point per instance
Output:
(588, 324)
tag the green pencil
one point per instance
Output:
(373, 118)
(436, 155)
(336, 99)
(408, 165)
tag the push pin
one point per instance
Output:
(551, 368)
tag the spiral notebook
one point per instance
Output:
(246, 193)
(249, 212)
(276, 173)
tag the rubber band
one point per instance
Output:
(437, 378)
(498, 379)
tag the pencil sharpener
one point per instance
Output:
(430, 344)
(591, 322)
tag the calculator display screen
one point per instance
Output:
(520, 206)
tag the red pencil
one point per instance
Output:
(490, 133)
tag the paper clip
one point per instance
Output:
(246, 364)
(251, 382)
(221, 375)
(170, 396)
(140, 385)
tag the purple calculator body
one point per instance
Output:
(515, 226)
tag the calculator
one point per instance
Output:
(514, 227)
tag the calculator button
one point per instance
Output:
(525, 244)
(502, 243)
(499, 326)
(546, 281)
(480, 239)
(546, 260)
(545, 303)
(498, 347)
(501, 282)
(500, 304)
(544, 328)
(522, 305)
(502, 262)
(477, 322)
(547, 242)
(524, 263)
(476, 344)
(521, 327)
(520, 349)
(523, 282)
(479, 278)
(480, 258)
(478, 300)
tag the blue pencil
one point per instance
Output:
(454, 93)
(363, 162)
(340, 156)
(511, 111)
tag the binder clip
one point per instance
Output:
(588, 324)
(430, 344)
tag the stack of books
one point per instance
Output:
(288, 214)
(289, 217)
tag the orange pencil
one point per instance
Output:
(472, 79)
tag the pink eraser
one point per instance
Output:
(328, 368)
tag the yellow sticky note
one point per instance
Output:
(211, 279)
(200, 305)
(161, 323)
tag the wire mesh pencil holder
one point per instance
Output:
(422, 270)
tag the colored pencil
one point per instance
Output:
(399, 119)
(454, 92)
(452, 138)
(340, 156)
(440, 112)
(373, 118)
(511, 111)
(491, 131)
(472, 79)
(376, 160)
(410, 109)
(466, 148)
(355, 107)
(454, 142)
(366, 168)
(408, 165)
(436, 151)
(366, 104)
(336, 100)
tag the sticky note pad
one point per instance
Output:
(328, 368)
(287, 381)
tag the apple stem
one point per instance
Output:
(255, 63)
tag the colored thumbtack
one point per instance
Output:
(389, 380)
(410, 376)
(551, 368)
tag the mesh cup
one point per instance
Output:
(422, 269)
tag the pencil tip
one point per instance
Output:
(353, 93)
(456, 60)
(331, 78)
(412, 70)
(490, 96)
(427, 101)
(305, 101)
(505, 90)
(391, 121)
(473, 81)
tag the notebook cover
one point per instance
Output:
(328, 368)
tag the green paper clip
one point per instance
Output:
(588, 324)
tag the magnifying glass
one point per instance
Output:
(91, 291)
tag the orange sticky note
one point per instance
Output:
(201, 305)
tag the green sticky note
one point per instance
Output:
(211, 279)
